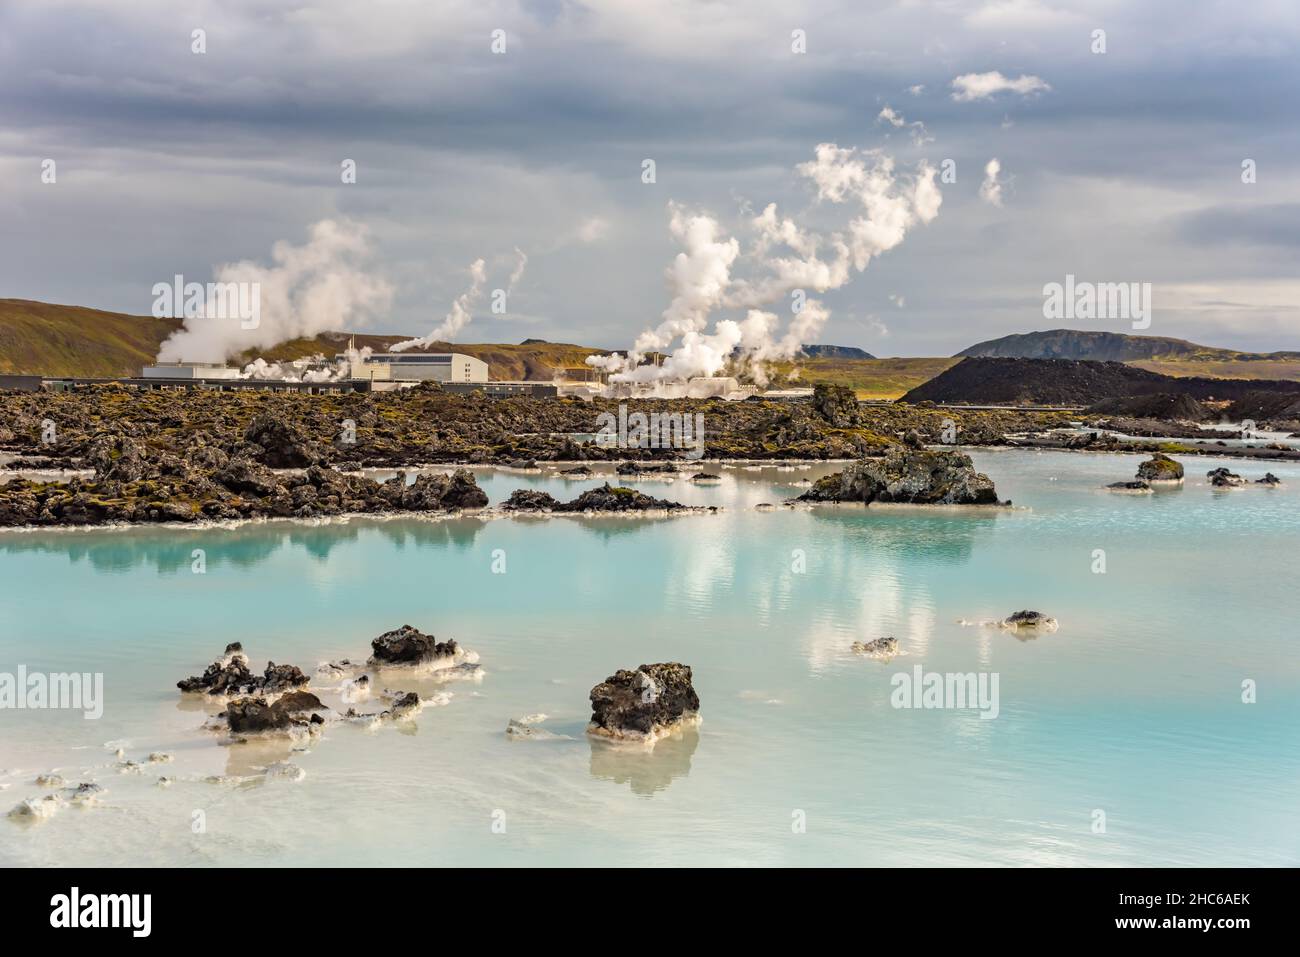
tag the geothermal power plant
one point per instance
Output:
(354, 371)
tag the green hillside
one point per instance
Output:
(39, 337)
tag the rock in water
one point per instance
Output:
(644, 704)
(908, 475)
(1269, 479)
(434, 492)
(410, 646)
(229, 675)
(1222, 478)
(609, 498)
(1030, 619)
(879, 648)
(281, 678)
(84, 793)
(37, 809)
(530, 500)
(225, 675)
(253, 715)
(1160, 468)
(406, 705)
(1137, 485)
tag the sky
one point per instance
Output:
(1117, 166)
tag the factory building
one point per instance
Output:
(189, 370)
(418, 367)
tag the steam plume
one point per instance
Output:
(314, 288)
(459, 316)
(783, 257)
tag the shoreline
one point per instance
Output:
(494, 512)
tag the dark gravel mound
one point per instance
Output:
(995, 381)
(1159, 405)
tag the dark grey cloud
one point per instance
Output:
(1277, 224)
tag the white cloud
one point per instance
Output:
(890, 116)
(919, 134)
(1019, 14)
(983, 86)
(593, 230)
(991, 189)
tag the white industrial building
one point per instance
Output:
(189, 370)
(418, 367)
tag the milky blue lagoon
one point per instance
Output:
(1133, 707)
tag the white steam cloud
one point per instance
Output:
(310, 289)
(517, 273)
(786, 261)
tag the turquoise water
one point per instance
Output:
(1133, 707)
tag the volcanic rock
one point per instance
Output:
(608, 498)
(837, 404)
(230, 675)
(1160, 468)
(284, 444)
(530, 500)
(253, 715)
(1135, 486)
(914, 476)
(1030, 620)
(117, 457)
(1222, 478)
(410, 646)
(643, 704)
(877, 648)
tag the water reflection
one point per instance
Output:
(172, 550)
(935, 534)
(645, 771)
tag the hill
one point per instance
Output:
(1112, 347)
(49, 339)
(41, 337)
(1012, 381)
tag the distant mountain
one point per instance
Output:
(836, 352)
(1110, 347)
(1014, 381)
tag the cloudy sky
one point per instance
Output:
(1122, 166)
